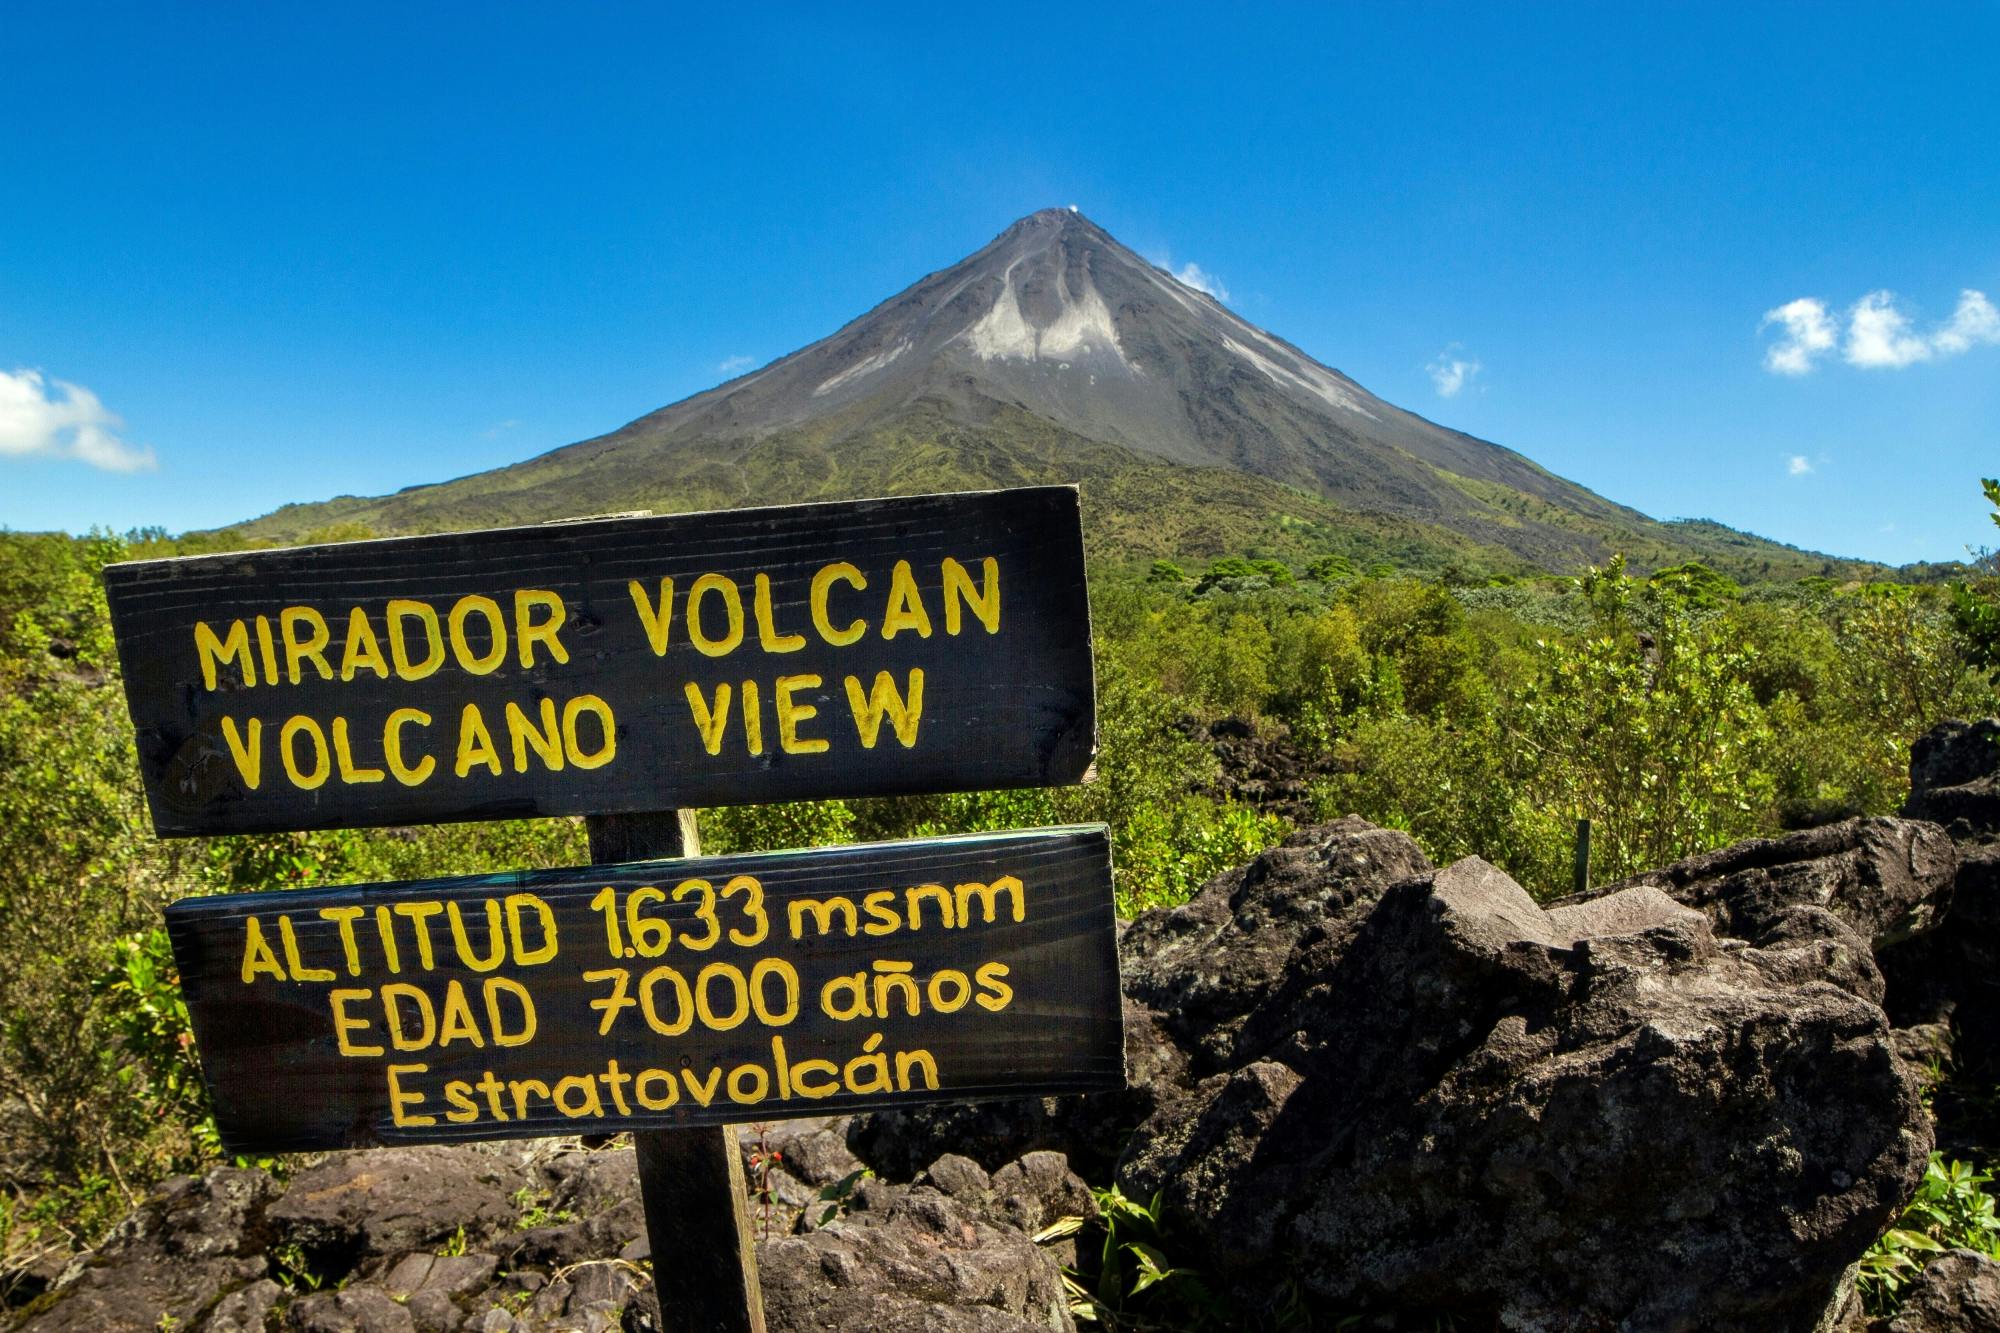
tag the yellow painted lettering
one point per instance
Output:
(496, 634)
(496, 941)
(958, 594)
(343, 754)
(232, 647)
(732, 606)
(791, 712)
(607, 727)
(753, 717)
(344, 1022)
(267, 650)
(988, 896)
(300, 972)
(709, 720)
(400, 611)
(343, 919)
(392, 1009)
(903, 711)
(657, 617)
(996, 993)
(392, 747)
(545, 916)
(525, 1033)
(475, 744)
(458, 1023)
(546, 740)
(906, 605)
(304, 779)
(398, 1099)
(767, 629)
(258, 958)
(528, 633)
(311, 648)
(249, 758)
(362, 649)
(822, 585)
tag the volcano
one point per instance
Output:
(1055, 353)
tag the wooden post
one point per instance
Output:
(690, 1180)
(1582, 869)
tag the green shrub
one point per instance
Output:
(1952, 1211)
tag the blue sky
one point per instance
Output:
(286, 252)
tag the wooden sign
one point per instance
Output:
(872, 648)
(656, 994)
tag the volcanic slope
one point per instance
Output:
(1057, 354)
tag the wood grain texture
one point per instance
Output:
(1010, 708)
(271, 1052)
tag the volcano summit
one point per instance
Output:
(1057, 354)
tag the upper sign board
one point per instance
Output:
(879, 647)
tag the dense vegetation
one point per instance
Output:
(1135, 506)
(1678, 711)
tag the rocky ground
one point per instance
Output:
(1360, 1083)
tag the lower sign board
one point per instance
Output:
(656, 994)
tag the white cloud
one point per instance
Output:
(1975, 321)
(1450, 372)
(37, 423)
(1798, 465)
(1808, 335)
(499, 428)
(1194, 275)
(734, 365)
(1879, 335)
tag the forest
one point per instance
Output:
(1676, 709)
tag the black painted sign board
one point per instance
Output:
(656, 994)
(933, 643)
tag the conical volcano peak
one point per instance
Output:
(1055, 318)
(1058, 218)
(1053, 352)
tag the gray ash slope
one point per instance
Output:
(1056, 318)
(1056, 353)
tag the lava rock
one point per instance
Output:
(1422, 1092)
(1889, 879)
(1958, 1292)
(1955, 778)
(188, 1247)
(1087, 1130)
(1952, 975)
(913, 1257)
(350, 1310)
(384, 1202)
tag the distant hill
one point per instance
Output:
(1056, 354)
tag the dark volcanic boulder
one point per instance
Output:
(192, 1244)
(1958, 1292)
(362, 1206)
(949, 1254)
(1089, 1131)
(1417, 1091)
(1889, 879)
(1952, 975)
(1211, 965)
(1192, 975)
(1446, 1098)
(1955, 778)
